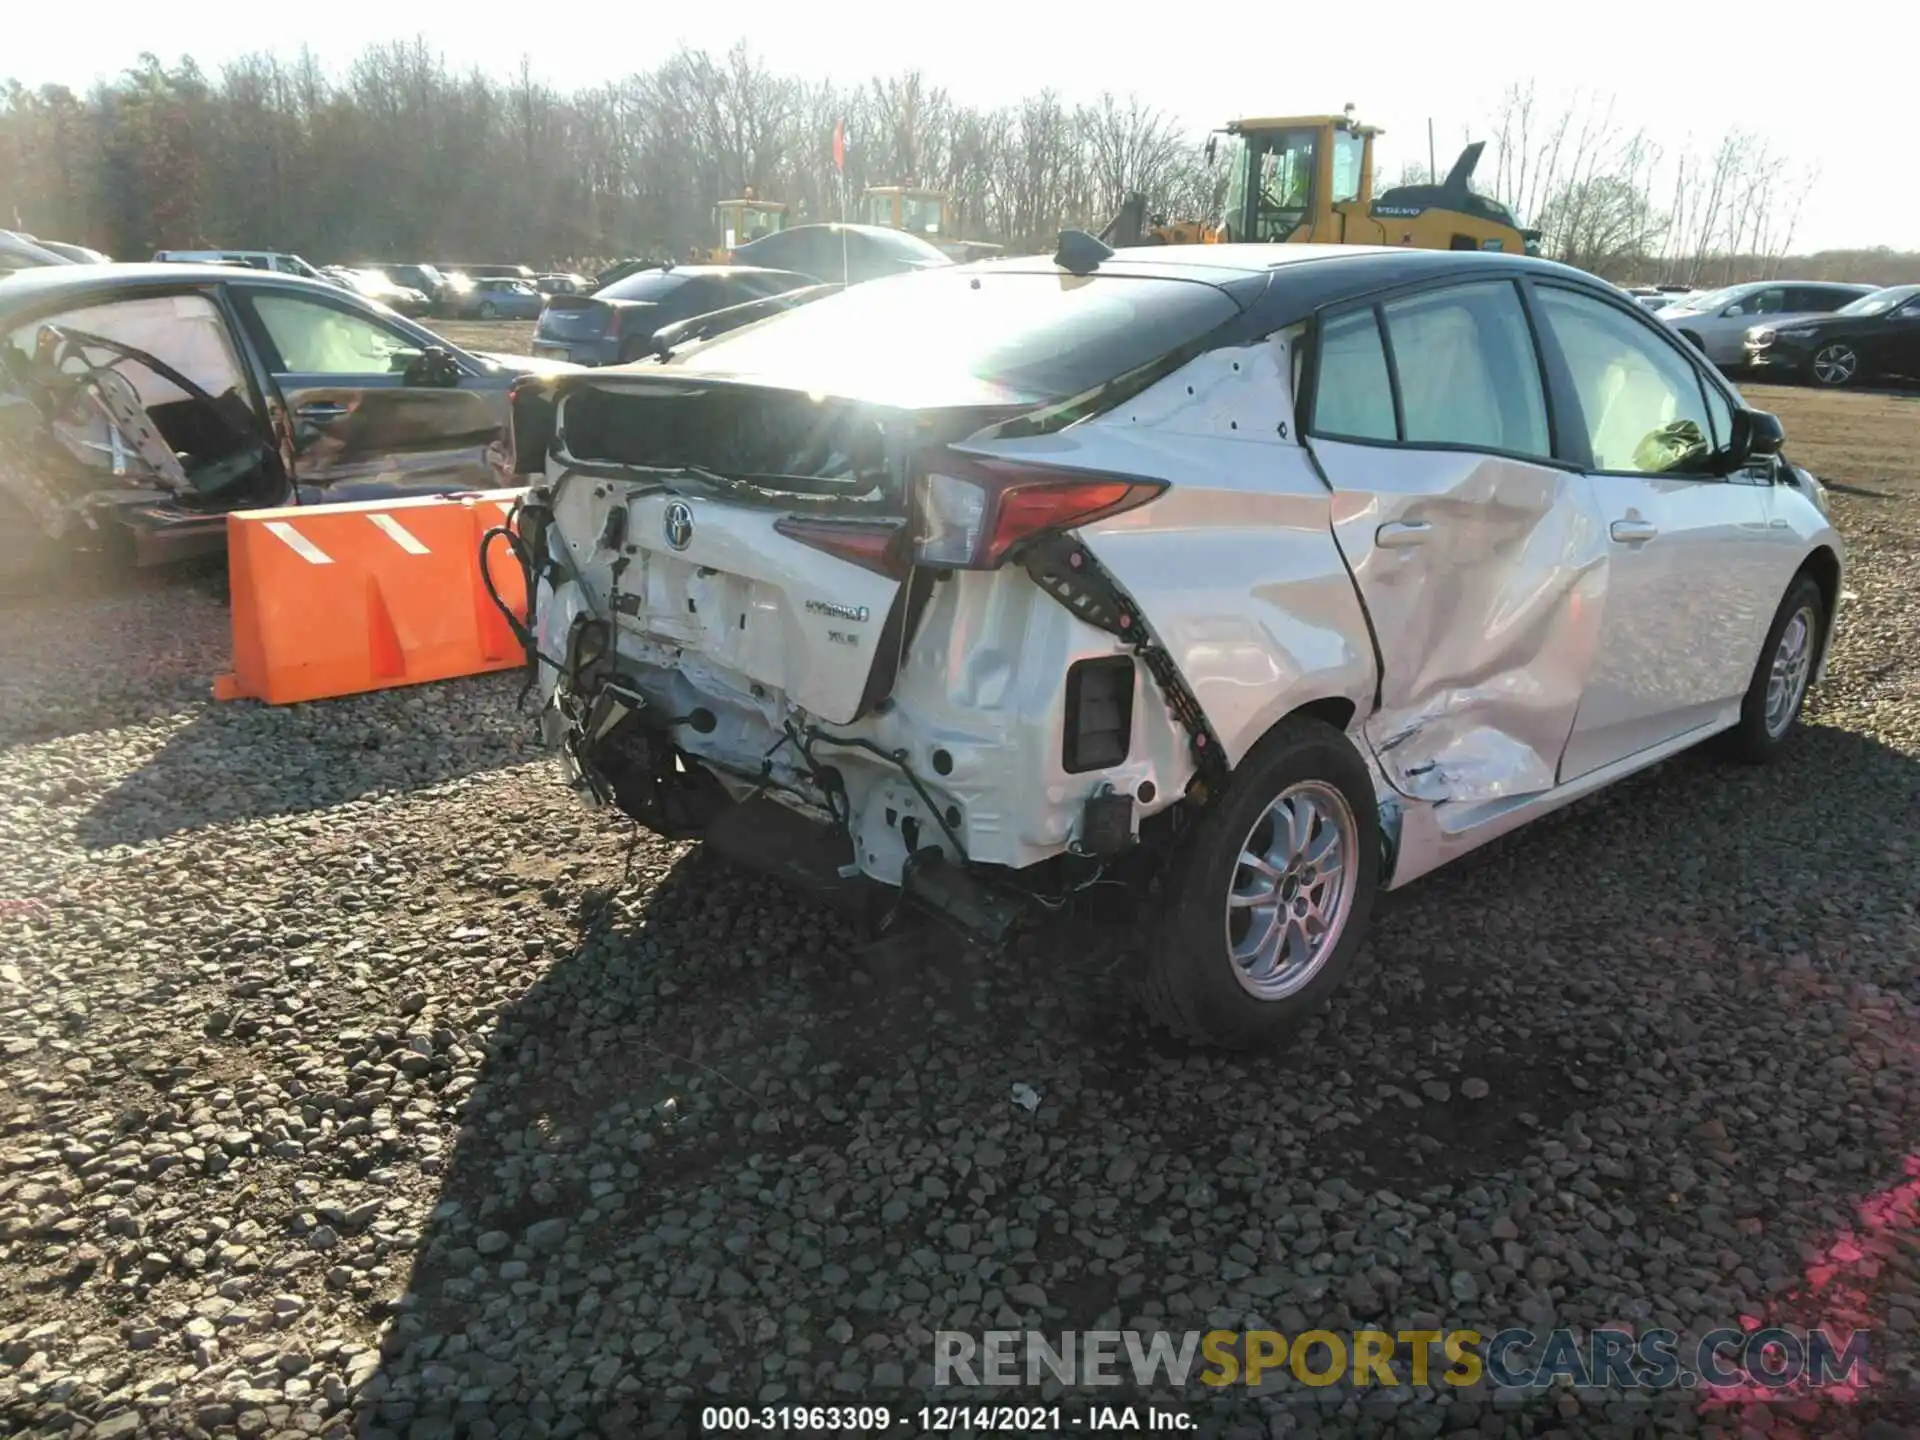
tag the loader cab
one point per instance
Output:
(736, 222)
(907, 207)
(1306, 178)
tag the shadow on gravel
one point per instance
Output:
(166, 629)
(717, 1155)
(242, 760)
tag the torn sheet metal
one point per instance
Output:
(1257, 629)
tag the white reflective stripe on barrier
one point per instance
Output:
(399, 534)
(299, 543)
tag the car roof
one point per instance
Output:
(1282, 284)
(882, 236)
(155, 276)
(1358, 268)
(81, 284)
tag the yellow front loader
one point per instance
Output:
(735, 222)
(1309, 179)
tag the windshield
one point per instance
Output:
(1880, 301)
(1269, 182)
(1716, 299)
(962, 337)
(920, 214)
(755, 223)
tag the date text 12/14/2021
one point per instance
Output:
(938, 1419)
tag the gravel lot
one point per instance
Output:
(346, 1084)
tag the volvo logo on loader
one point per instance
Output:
(678, 524)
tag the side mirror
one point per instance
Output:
(1757, 435)
(1735, 309)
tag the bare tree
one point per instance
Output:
(400, 156)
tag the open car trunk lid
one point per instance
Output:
(694, 509)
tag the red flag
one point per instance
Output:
(840, 146)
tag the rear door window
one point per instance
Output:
(948, 337)
(1467, 370)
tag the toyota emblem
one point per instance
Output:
(679, 524)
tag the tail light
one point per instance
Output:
(969, 513)
(877, 546)
(613, 322)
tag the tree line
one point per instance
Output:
(399, 157)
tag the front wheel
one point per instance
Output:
(1778, 688)
(1834, 364)
(1274, 895)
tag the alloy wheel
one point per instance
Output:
(1835, 364)
(1292, 889)
(1791, 668)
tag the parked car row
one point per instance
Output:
(615, 324)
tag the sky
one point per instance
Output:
(1681, 69)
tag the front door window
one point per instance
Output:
(317, 339)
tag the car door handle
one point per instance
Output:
(321, 412)
(1633, 532)
(1398, 534)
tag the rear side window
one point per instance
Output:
(1818, 299)
(1459, 361)
(950, 337)
(1354, 396)
(644, 285)
(1468, 374)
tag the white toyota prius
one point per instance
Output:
(1258, 578)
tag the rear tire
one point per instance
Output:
(1289, 857)
(1781, 676)
(487, 310)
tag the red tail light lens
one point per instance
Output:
(613, 322)
(971, 513)
(877, 546)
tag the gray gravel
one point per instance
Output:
(344, 1084)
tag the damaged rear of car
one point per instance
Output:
(812, 590)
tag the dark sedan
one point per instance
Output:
(841, 254)
(615, 324)
(1876, 337)
(150, 400)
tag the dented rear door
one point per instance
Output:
(1482, 571)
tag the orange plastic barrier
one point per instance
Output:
(341, 599)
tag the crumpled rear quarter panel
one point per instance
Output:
(1235, 566)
